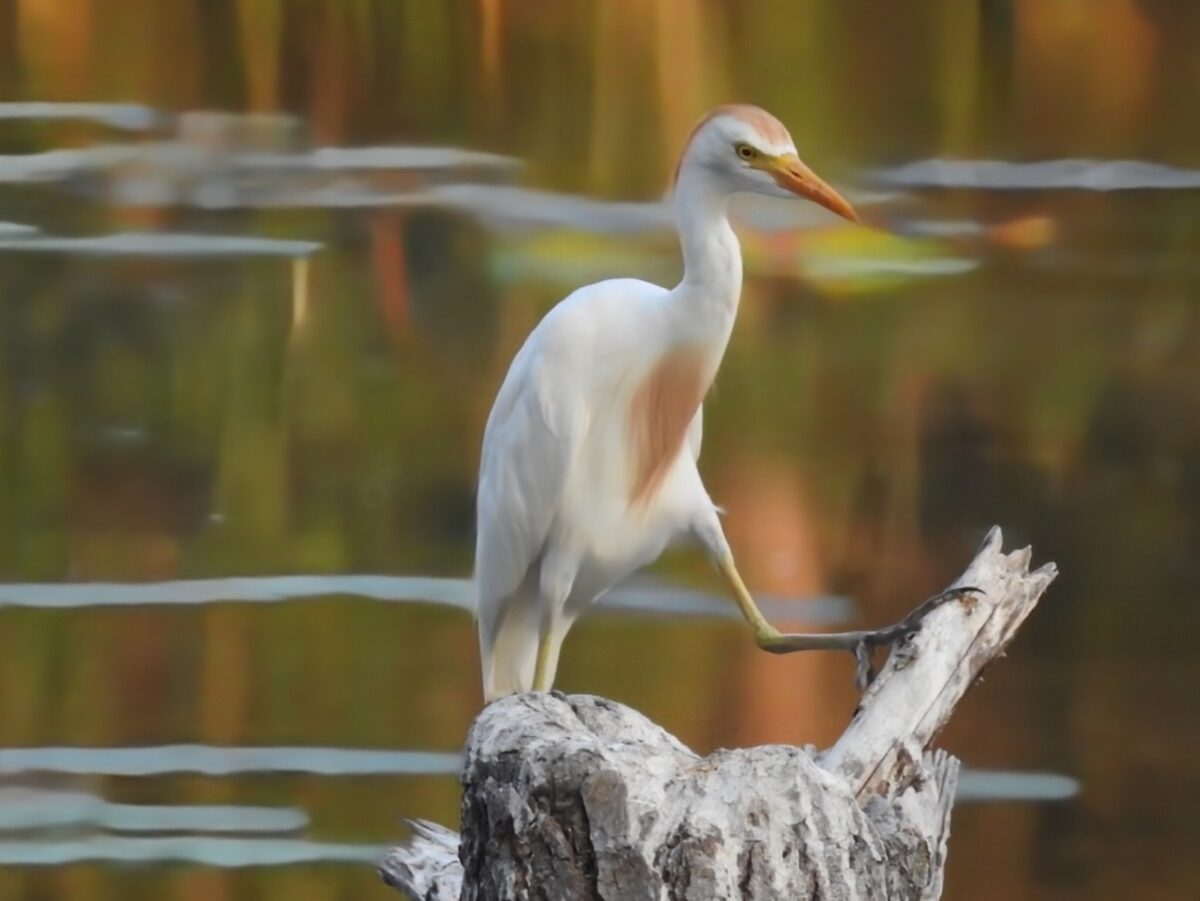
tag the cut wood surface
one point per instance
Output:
(578, 797)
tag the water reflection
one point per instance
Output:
(201, 850)
(209, 760)
(974, 784)
(42, 817)
(23, 810)
(508, 208)
(157, 244)
(860, 268)
(125, 116)
(1047, 175)
(224, 161)
(640, 596)
(1000, 785)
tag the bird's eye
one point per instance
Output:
(745, 151)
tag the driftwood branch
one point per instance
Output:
(582, 798)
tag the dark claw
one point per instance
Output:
(864, 673)
(931, 604)
(912, 622)
(865, 670)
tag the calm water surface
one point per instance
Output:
(265, 264)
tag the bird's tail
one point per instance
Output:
(509, 646)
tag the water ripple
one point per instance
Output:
(1014, 785)
(974, 784)
(211, 760)
(207, 851)
(157, 244)
(1076, 174)
(23, 809)
(639, 596)
(125, 116)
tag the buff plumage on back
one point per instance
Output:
(659, 415)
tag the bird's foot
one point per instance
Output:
(864, 648)
(861, 644)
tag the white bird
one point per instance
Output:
(589, 457)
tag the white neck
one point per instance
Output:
(712, 258)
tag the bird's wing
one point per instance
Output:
(530, 438)
(536, 429)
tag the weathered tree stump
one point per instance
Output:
(577, 797)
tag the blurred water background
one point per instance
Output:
(265, 262)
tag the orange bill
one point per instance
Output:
(792, 175)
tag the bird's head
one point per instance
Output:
(744, 149)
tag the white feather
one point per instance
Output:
(556, 525)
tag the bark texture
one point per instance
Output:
(578, 797)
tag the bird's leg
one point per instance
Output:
(542, 677)
(555, 579)
(860, 643)
(553, 630)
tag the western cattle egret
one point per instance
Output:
(589, 457)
